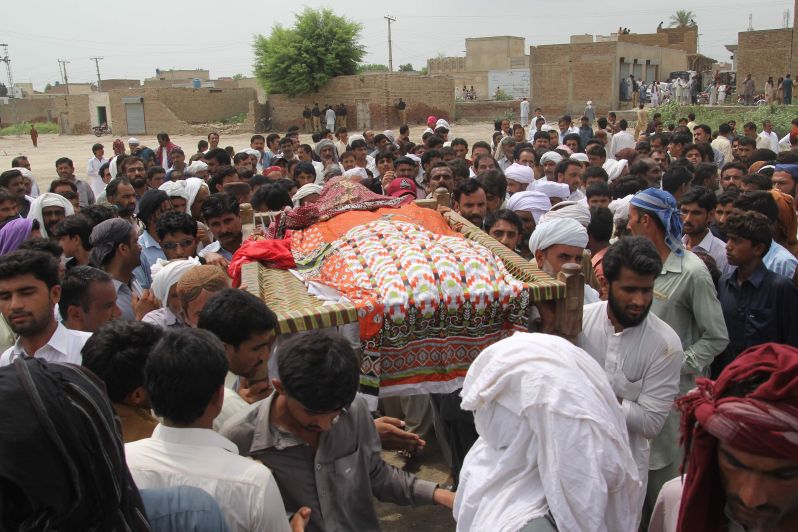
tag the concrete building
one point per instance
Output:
(765, 53)
(490, 62)
(565, 76)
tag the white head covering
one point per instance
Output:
(175, 189)
(563, 448)
(575, 210)
(193, 186)
(614, 168)
(166, 273)
(442, 123)
(48, 199)
(551, 188)
(564, 231)
(550, 156)
(27, 174)
(133, 140)
(532, 201)
(356, 174)
(194, 167)
(305, 191)
(581, 157)
(546, 127)
(620, 209)
(520, 173)
(252, 152)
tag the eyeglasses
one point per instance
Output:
(169, 246)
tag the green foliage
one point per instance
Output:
(501, 96)
(24, 129)
(371, 67)
(238, 76)
(683, 18)
(235, 119)
(508, 115)
(302, 59)
(47, 87)
(424, 71)
(780, 115)
(406, 68)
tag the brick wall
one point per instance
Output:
(206, 105)
(481, 111)
(50, 109)
(424, 95)
(763, 53)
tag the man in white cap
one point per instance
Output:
(549, 162)
(49, 209)
(519, 177)
(575, 210)
(558, 242)
(529, 205)
(556, 192)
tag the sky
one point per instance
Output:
(135, 39)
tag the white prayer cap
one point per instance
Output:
(551, 188)
(589, 102)
(581, 157)
(175, 189)
(305, 191)
(166, 273)
(531, 201)
(252, 152)
(614, 168)
(196, 166)
(356, 174)
(193, 186)
(563, 231)
(620, 209)
(48, 199)
(574, 210)
(546, 127)
(133, 140)
(520, 173)
(550, 156)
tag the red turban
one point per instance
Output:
(763, 422)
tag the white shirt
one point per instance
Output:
(330, 116)
(768, 141)
(716, 248)
(643, 365)
(245, 489)
(621, 140)
(93, 173)
(524, 108)
(63, 347)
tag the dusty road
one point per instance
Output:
(78, 147)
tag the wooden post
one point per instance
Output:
(443, 197)
(247, 219)
(569, 310)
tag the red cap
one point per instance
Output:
(401, 186)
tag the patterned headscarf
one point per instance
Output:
(62, 450)
(663, 205)
(763, 422)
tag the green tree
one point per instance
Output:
(682, 19)
(406, 68)
(371, 67)
(238, 76)
(302, 59)
(424, 71)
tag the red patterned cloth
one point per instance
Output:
(273, 253)
(763, 422)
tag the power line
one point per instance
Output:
(390, 19)
(62, 63)
(97, 64)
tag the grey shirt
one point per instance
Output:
(336, 481)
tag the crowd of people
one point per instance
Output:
(142, 391)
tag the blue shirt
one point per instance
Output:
(150, 253)
(182, 508)
(779, 260)
(758, 310)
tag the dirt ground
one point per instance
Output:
(78, 147)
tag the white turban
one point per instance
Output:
(563, 231)
(534, 202)
(520, 173)
(550, 156)
(442, 123)
(546, 127)
(196, 166)
(166, 273)
(356, 174)
(620, 209)
(48, 199)
(253, 153)
(575, 210)
(614, 168)
(581, 157)
(305, 191)
(175, 189)
(193, 186)
(551, 188)
(27, 174)
(134, 141)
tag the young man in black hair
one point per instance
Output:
(221, 213)
(506, 227)
(73, 233)
(177, 233)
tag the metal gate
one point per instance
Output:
(363, 115)
(135, 118)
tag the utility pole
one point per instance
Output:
(7, 60)
(390, 19)
(63, 63)
(97, 64)
(750, 22)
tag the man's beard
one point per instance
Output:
(476, 219)
(231, 237)
(139, 182)
(125, 212)
(620, 314)
(34, 325)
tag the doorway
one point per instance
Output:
(102, 116)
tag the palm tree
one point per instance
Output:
(682, 19)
